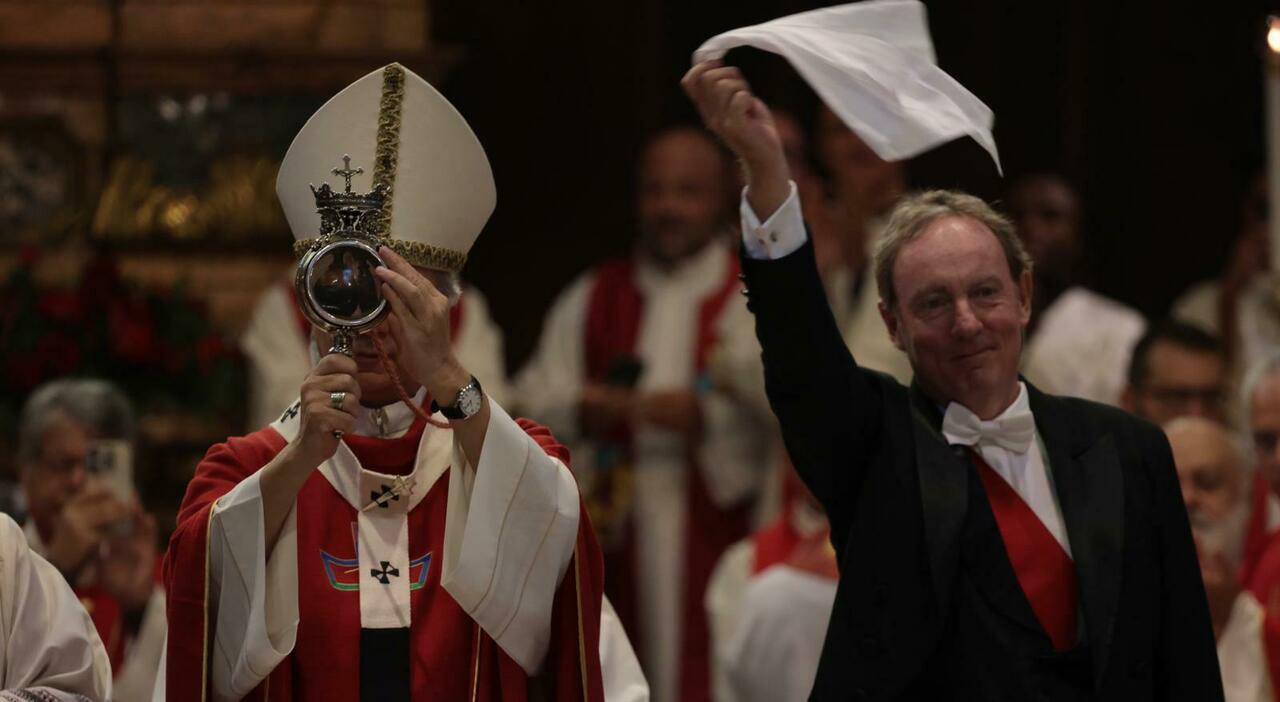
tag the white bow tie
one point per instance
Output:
(1013, 430)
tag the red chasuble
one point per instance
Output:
(451, 657)
(1264, 585)
(1256, 535)
(777, 541)
(614, 312)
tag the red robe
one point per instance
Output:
(1256, 536)
(452, 658)
(1264, 585)
(614, 312)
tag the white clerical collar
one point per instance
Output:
(390, 421)
(702, 272)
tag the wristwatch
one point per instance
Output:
(465, 406)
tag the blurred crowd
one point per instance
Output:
(717, 559)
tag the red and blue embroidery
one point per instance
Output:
(344, 573)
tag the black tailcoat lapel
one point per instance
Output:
(1089, 483)
(943, 480)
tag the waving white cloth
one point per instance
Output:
(872, 63)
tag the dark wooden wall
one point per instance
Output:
(1154, 112)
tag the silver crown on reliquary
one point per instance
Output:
(349, 214)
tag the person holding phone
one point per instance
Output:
(74, 456)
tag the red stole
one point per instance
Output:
(452, 658)
(108, 619)
(614, 312)
(1042, 566)
(772, 544)
(776, 542)
(1256, 535)
(1264, 585)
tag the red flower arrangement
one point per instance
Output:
(157, 345)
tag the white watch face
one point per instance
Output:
(469, 400)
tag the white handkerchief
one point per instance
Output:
(872, 63)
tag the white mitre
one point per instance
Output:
(401, 135)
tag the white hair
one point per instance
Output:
(96, 404)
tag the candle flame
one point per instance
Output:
(1273, 33)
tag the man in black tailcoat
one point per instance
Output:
(995, 543)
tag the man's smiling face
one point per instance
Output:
(959, 315)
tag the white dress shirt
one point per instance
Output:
(1027, 472)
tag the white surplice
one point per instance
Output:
(143, 654)
(1198, 306)
(1246, 676)
(772, 655)
(623, 679)
(48, 644)
(279, 353)
(731, 455)
(1082, 345)
(257, 597)
(726, 594)
(858, 315)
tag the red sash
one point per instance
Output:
(1256, 535)
(614, 312)
(1264, 585)
(1044, 570)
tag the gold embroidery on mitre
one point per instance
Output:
(387, 150)
(385, 160)
(416, 253)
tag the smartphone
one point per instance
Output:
(111, 461)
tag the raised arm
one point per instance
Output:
(829, 409)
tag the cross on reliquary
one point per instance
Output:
(347, 171)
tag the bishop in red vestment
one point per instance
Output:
(362, 547)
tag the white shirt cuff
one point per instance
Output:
(780, 235)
